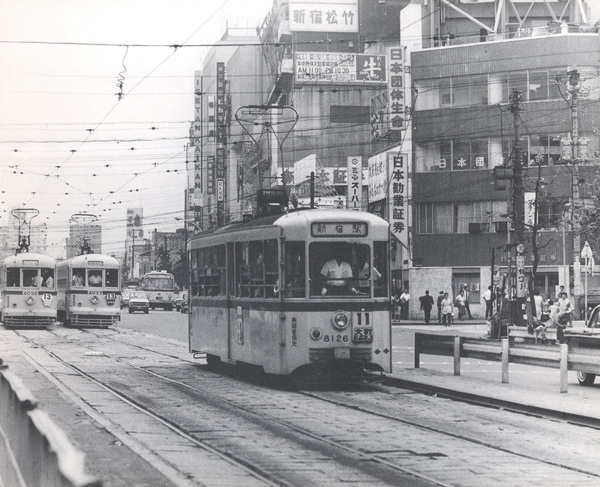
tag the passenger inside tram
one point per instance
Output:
(47, 277)
(78, 278)
(95, 278)
(31, 278)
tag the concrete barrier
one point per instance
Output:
(34, 452)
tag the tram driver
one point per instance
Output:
(337, 274)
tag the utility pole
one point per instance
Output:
(573, 89)
(518, 203)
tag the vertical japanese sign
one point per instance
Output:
(398, 195)
(221, 141)
(210, 174)
(396, 89)
(354, 177)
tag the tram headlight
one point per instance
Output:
(94, 299)
(340, 320)
(316, 334)
(29, 300)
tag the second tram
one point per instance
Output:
(304, 294)
(159, 287)
(89, 292)
(28, 291)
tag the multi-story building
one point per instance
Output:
(465, 124)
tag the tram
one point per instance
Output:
(89, 292)
(263, 296)
(159, 287)
(28, 291)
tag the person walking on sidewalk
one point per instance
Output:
(426, 305)
(440, 298)
(447, 309)
(404, 299)
(487, 298)
(467, 297)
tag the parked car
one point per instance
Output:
(184, 302)
(138, 302)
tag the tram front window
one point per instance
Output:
(47, 277)
(31, 278)
(112, 278)
(339, 269)
(13, 277)
(78, 277)
(95, 278)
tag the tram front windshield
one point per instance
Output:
(155, 283)
(343, 269)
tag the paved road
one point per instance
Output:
(191, 426)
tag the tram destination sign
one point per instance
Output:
(338, 229)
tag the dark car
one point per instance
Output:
(138, 302)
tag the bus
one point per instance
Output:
(159, 287)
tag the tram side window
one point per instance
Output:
(214, 258)
(271, 267)
(13, 277)
(380, 262)
(112, 277)
(294, 270)
(78, 277)
(195, 278)
(31, 278)
(47, 277)
(242, 269)
(257, 269)
(95, 278)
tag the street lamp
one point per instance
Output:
(587, 254)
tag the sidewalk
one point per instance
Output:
(531, 389)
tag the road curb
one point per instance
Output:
(496, 402)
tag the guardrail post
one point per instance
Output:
(564, 367)
(457, 344)
(504, 360)
(417, 350)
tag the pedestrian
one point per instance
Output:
(440, 298)
(487, 298)
(404, 299)
(561, 290)
(426, 305)
(447, 310)
(538, 303)
(467, 296)
(396, 304)
(459, 302)
(565, 308)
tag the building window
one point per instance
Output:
(550, 212)
(470, 282)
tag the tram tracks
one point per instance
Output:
(384, 460)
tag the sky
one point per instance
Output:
(72, 140)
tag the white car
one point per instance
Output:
(138, 302)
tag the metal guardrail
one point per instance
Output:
(581, 353)
(34, 452)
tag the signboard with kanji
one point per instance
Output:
(323, 16)
(354, 177)
(398, 195)
(398, 113)
(339, 67)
